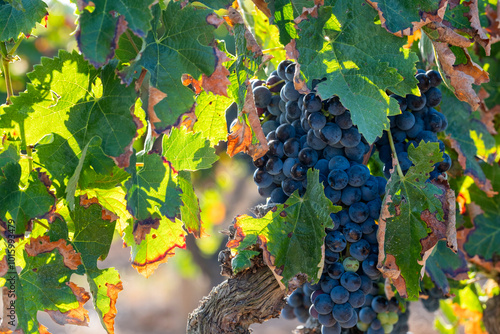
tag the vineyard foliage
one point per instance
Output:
(105, 138)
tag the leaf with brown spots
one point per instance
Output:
(262, 6)
(460, 77)
(43, 244)
(217, 82)
(153, 242)
(246, 134)
(494, 19)
(478, 33)
(78, 316)
(290, 235)
(415, 214)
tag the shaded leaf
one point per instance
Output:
(188, 150)
(290, 235)
(99, 29)
(359, 60)
(178, 47)
(484, 239)
(20, 16)
(153, 241)
(443, 264)
(465, 135)
(415, 215)
(78, 316)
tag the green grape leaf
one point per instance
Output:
(190, 209)
(359, 60)
(91, 179)
(216, 4)
(102, 22)
(94, 228)
(22, 204)
(153, 242)
(415, 214)
(188, 150)
(283, 14)
(466, 133)
(443, 264)
(177, 48)
(455, 17)
(20, 16)
(211, 114)
(152, 189)
(404, 17)
(484, 239)
(129, 46)
(67, 97)
(42, 273)
(290, 235)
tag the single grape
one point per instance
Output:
(335, 329)
(351, 281)
(291, 148)
(312, 102)
(262, 96)
(424, 83)
(342, 312)
(298, 172)
(357, 299)
(352, 232)
(380, 304)
(314, 142)
(327, 320)
(262, 178)
(323, 304)
(316, 120)
(330, 133)
(405, 121)
(338, 179)
(278, 196)
(367, 315)
(335, 241)
(360, 250)
(290, 71)
(369, 266)
(334, 106)
(358, 175)
(344, 120)
(332, 194)
(444, 165)
(350, 195)
(330, 256)
(350, 264)
(339, 295)
(327, 283)
(308, 157)
(350, 137)
(290, 92)
(416, 102)
(351, 322)
(282, 68)
(434, 77)
(289, 186)
(275, 83)
(335, 270)
(292, 110)
(287, 312)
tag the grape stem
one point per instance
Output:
(273, 49)
(6, 72)
(275, 84)
(394, 154)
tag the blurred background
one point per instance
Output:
(162, 303)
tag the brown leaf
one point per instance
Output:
(214, 20)
(488, 115)
(462, 76)
(217, 82)
(262, 6)
(189, 80)
(252, 45)
(188, 119)
(42, 244)
(494, 20)
(155, 96)
(143, 227)
(449, 35)
(4, 267)
(425, 18)
(241, 138)
(78, 316)
(478, 32)
(109, 317)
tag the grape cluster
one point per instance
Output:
(305, 132)
(419, 120)
(434, 295)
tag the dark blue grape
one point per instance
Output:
(426, 136)
(332, 194)
(278, 178)
(322, 166)
(368, 226)
(366, 284)
(444, 165)
(275, 149)
(290, 92)
(302, 314)
(350, 195)
(416, 102)
(292, 111)
(339, 295)
(335, 270)
(327, 320)
(380, 304)
(312, 102)
(330, 133)
(367, 315)
(305, 124)
(374, 208)
(377, 331)
(308, 157)
(369, 266)
(287, 312)
(257, 83)
(269, 126)
(342, 312)
(352, 232)
(351, 322)
(266, 192)
(335, 241)
(274, 106)
(313, 312)
(351, 281)
(434, 77)
(433, 121)
(329, 152)
(262, 178)
(360, 250)
(350, 137)
(416, 128)
(287, 166)
(344, 120)
(314, 142)
(291, 148)
(399, 136)
(271, 136)
(276, 82)
(316, 120)
(335, 329)
(289, 186)
(338, 179)
(260, 162)
(274, 165)
(323, 304)
(358, 175)
(299, 132)
(357, 152)
(401, 101)
(285, 132)
(278, 196)
(385, 153)
(295, 298)
(282, 68)
(424, 83)
(262, 96)
(357, 298)
(334, 107)
(370, 190)
(290, 71)
(405, 121)
(327, 283)
(298, 172)
(338, 162)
